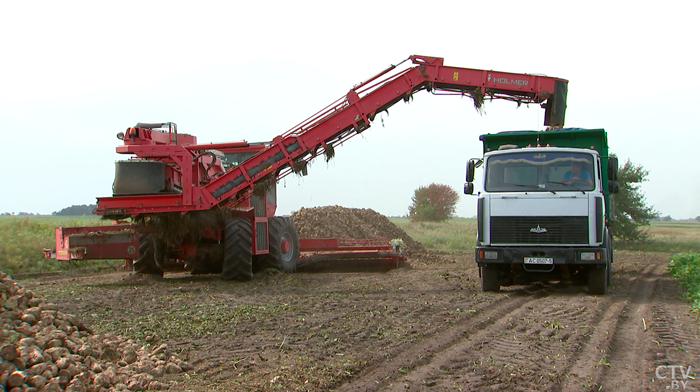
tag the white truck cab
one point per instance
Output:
(542, 213)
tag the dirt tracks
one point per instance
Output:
(423, 328)
(558, 339)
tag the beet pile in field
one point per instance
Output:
(44, 349)
(341, 222)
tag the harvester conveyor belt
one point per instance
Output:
(339, 121)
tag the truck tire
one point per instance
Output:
(598, 279)
(238, 250)
(284, 244)
(149, 261)
(609, 250)
(490, 281)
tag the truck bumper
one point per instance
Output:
(516, 255)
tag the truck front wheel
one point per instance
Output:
(598, 279)
(490, 281)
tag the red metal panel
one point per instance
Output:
(343, 244)
(217, 146)
(256, 238)
(95, 242)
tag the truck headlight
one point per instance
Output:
(588, 256)
(491, 255)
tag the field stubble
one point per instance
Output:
(419, 328)
(408, 329)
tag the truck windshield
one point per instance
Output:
(540, 171)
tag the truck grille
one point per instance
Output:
(539, 230)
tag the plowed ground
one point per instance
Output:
(425, 328)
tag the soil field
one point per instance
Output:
(424, 327)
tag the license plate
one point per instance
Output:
(539, 260)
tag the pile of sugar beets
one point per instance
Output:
(342, 222)
(45, 350)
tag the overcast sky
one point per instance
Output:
(74, 74)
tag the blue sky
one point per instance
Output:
(74, 74)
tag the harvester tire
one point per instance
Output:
(284, 244)
(149, 261)
(238, 250)
(598, 279)
(490, 281)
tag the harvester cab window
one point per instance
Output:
(236, 158)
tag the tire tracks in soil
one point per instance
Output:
(675, 340)
(549, 340)
(615, 343)
(645, 336)
(383, 371)
(522, 351)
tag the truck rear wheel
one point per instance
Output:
(238, 250)
(150, 260)
(598, 279)
(284, 244)
(490, 281)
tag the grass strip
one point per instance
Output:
(686, 268)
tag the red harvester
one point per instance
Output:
(210, 207)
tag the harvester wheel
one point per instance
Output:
(150, 260)
(490, 281)
(284, 244)
(238, 250)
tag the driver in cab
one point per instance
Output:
(577, 175)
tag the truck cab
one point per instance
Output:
(544, 212)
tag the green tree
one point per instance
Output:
(434, 203)
(630, 210)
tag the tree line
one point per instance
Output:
(76, 210)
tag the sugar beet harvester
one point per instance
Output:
(211, 207)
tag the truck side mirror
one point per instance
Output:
(612, 169)
(470, 170)
(613, 187)
(469, 188)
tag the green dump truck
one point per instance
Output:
(545, 210)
